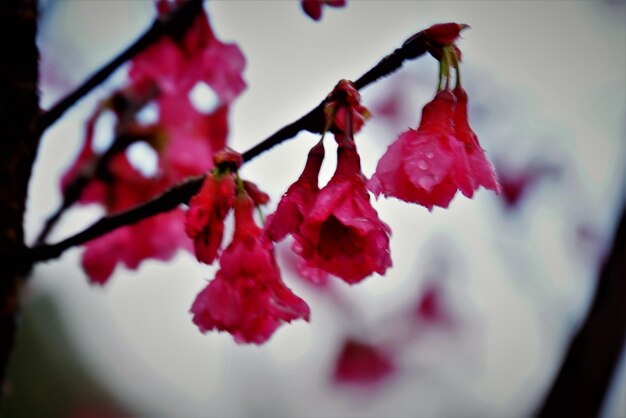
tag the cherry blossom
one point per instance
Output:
(428, 165)
(247, 298)
(207, 210)
(183, 138)
(342, 233)
(299, 198)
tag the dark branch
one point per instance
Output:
(174, 25)
(164, 203)
(313, 121)
(586, 373)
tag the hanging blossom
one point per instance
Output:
(336, 229)
(295, 206)
(183, 138)
(204, 222)
(342, 233)
(247, 297)
(428, 165)
(313, 8)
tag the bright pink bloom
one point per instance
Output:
(207, 210)
(362, 363)
(297, 201)
(313, 8)
(247, 298)
(481, 172)
(429, 165)
(342, 233)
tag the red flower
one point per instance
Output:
(362, 363)
(440, 35)
(247, 298)
(481, 171)
(297, 201)
(444, 33)
(207, 210)
(345, 98)
(342, 233)
(429, 165)
(313, 8)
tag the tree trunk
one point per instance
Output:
(19, 106)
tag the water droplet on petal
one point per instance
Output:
(422, 164)
(430, 155)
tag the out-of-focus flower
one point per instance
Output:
(361, 363)
(247, 298)
(182, 137)
(313, 8)
(517, 184)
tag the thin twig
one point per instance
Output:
(313, 121)
(173, 24)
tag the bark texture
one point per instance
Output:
(19, 106)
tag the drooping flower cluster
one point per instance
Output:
(336, 229)
(428, 165)
(180, 134)
(247, 297)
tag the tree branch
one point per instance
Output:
(586, 373)
(173, 24)
(313, 121)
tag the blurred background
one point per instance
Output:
(483, 298)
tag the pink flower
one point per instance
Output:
(342, 233)
(247, 298)
(176, 67)
(481, 171)
(343, 99)
(297, 201)
(157, 237)
(429, 165)
(183, 138)
(313, 8)
(207, 210)
(362, 363)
